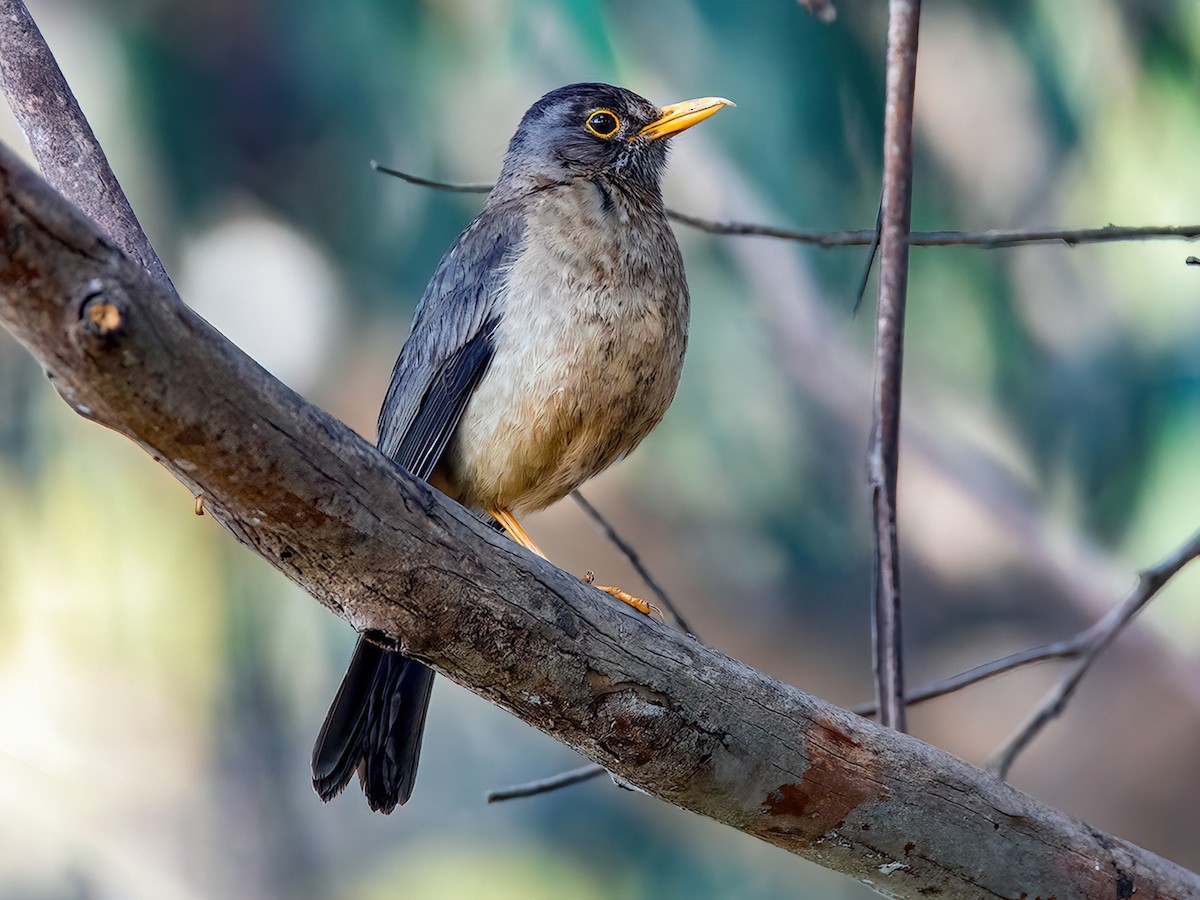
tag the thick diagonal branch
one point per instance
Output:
(402, 564)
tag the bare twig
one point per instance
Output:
(995, 238)
(634, 560)
(1068, 648)
(991, 239)
(872, 249)
(1150, 582)
(460, 187)
(998, 238)
(884, 454)
(545, 785)
(62, 141)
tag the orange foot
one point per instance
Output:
(648, 609)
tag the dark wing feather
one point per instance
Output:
(462, 302)
(375, 723)
(437, 417)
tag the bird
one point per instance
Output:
(547, 345)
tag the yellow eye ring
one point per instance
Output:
(603, 123)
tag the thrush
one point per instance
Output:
(547, 345)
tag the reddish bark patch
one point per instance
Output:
(834, 735)
(788, 800)
(840, 778)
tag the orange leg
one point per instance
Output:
(515, 531)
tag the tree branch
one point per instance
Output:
(546, 785)
(1064, 649)
(385, 551)
(1096, 639)
(1087, 643)
(993, 238)
(60, 137)
(883, 456)
(575, 776)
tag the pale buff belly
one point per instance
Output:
(572, 387)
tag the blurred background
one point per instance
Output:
(160, 686)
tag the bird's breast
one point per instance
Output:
(588, 352)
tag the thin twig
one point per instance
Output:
(998, 238)
(995, 238)
(992, 239)
(461, 187)
(872, 249)
(1069, 648)
(634, 560)
(824, 239)
(1150, 582)
(62, 141)
(545, 785)
(884, 453)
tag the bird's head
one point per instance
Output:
(585, 130)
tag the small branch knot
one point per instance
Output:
(102, 314)
(105, 318)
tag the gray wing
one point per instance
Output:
(451, 343)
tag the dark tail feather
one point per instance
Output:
(374, 727)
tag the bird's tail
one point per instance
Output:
(374, 727)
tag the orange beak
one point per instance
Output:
(680, 116)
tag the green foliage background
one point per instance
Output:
(160, 686)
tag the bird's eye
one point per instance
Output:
(603, 124)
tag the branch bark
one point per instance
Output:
(883, 458)
(402, 564)
(60, 137)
